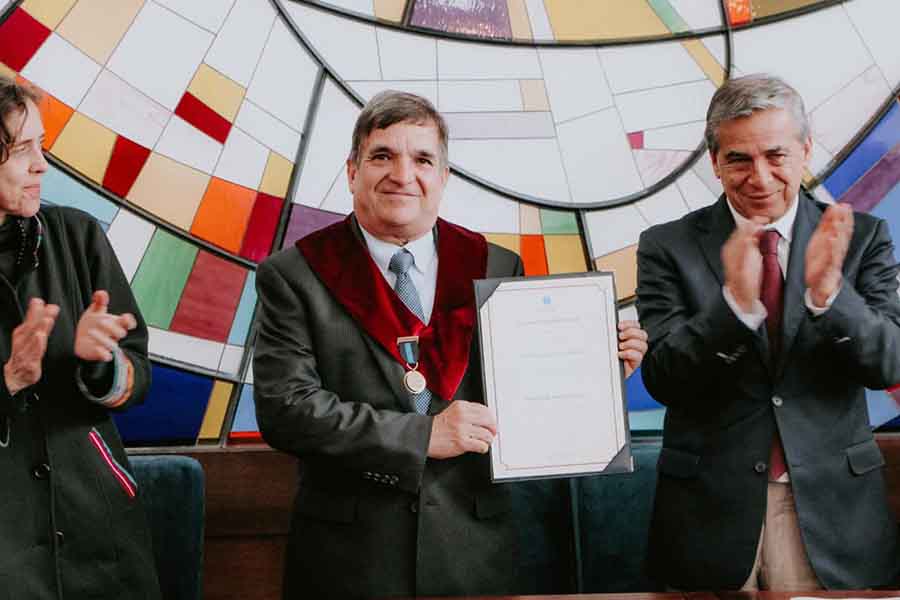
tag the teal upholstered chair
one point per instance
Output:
(610, 519)
(172, 492)
(543, 512)
(614, 521)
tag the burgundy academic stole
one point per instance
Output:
(340, 259)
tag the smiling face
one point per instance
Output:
(20, 175)
(760, 161)
(399, 181)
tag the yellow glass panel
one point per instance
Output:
(85, 145)
(215, 411)
(768, 8)
(217, 91)
(529, 219)
(7, 72)
(510, 241)
(706, 61)
(624, 264)
(169, 190)
(518, 20)
(277, 176)
(390, 10)
(564, 254)
(534, 94)
(96, 26)
(602, 19)
(48, 12)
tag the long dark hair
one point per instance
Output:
(13, 98)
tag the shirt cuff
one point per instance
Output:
(818, 311)
(753, 319)
(122, 382)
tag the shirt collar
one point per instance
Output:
(422, 249)
(784, 225)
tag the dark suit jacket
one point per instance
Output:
(725, 396)
(373, 517)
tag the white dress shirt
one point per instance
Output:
(423, 271)
(785, 228)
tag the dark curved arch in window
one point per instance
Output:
(722, 29)
(493, 187)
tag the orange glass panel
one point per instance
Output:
(223, 214)
(739, 11)
(533, 255)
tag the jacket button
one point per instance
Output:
(414, 507)
(760, 467)
(777, 401)
(60, 538)
(42, 471)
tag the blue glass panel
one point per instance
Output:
(638, 396)
(172, 412)
(241, 324)
(644, 413)
(245, 416)
(882, 407)
(892, 425)
(63, 190)
(884, 136)
(889, 210)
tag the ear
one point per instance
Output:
(715, 164)
(807, 151)
(351, 173)
(445, 175)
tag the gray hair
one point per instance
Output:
(390, 107)
(742, 96)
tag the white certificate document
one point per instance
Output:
(552, 376)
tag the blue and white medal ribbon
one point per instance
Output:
(413, 381)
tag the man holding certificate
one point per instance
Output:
(768, 313)
(365, 368)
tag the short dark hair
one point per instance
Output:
(742, 96)
(13, 98)
(390, 107)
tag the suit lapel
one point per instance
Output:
(795, 286)
(715, 229)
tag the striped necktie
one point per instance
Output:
(406, 289)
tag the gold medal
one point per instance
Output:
(414, 382)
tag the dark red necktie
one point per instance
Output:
(773, 299)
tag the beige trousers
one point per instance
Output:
(781, 563)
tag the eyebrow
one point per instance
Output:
(18, 143)
(735, 155)
(378, 149)
(426, 154)
(384, 148)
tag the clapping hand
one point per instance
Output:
(98, 332)
(826, 252)
(29, 343)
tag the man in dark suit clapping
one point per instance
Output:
(768, 313)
